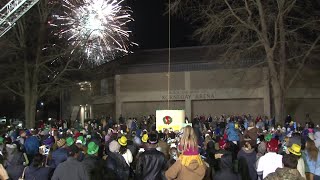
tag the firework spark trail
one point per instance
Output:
(97, 26)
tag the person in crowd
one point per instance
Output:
(163, 146)
(311, 158)
(37, 170)
(59, 155)
(288, 172)
(14, 160)
(151, 163)
(295, 150)
(71, 168)
(92, 163)
(116, 165)
(226, 171)
(213, 163)
(81, 143)
(124, 151)
(189, 165)
(233, 138)
(247, 160)
(262, 146)
(251, 134)
(31, 145)
(271, 160)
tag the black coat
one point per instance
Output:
(94, 166)
(226, 172)
(41, 173)
(150, 165)
(116, 167)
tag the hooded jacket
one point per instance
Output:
(194, 171)
(14, 162)
(226, 172)
(285, 174)
(250, 157)
(232, 132)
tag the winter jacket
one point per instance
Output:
(311, 166)
(14, 162)
(38, 173)
(58, 156)
(70, 169)
(226, 172)
(252, 134)
(94, 166)
(285, 174)
(250, 157)
(232, 132)
(116, 167)
(150, 165)
(193, 171)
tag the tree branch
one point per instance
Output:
(263, 24)
(303, 63)
(236, 16)
(12, 90)
(41, 93)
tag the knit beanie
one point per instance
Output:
(114, 146)
(273, 145)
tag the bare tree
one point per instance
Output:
(33, 62)
(283, 32)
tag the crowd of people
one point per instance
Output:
(218, 148)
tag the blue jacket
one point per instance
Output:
(311, 166)
(58, 156)
(232, 132)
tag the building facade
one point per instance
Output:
(197, 82)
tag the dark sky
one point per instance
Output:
(150, 29)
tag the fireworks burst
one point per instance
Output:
(96, 26)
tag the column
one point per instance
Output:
(187, 89)
(117, 97)
(90, 112)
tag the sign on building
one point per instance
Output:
(166, 119)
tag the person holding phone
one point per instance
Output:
(37, 169)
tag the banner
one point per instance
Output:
(166, 119)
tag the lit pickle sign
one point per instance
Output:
(167, 120)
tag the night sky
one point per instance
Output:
(150, 28)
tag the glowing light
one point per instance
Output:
(98, 27)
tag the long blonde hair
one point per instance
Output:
(188, 139)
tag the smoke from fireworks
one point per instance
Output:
(96, 26)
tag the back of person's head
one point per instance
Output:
(73, 150)
(312, 150)
(38, 160)
(189, 138)
(152, 139)
(290, 161)
(273, 145)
